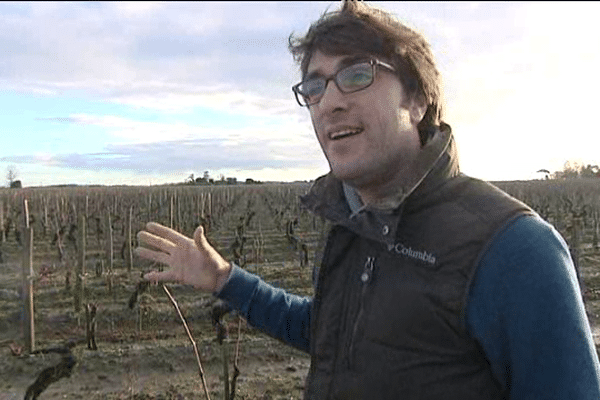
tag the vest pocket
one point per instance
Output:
(409, 308)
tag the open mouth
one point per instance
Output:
(344, 133)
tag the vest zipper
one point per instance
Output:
(365, 277)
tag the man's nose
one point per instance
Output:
(332, 98)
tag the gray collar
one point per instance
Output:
(353, 199)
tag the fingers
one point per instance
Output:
(157, 256)
(166, 233)
(166, 246)
(156, 242)
(165, 276)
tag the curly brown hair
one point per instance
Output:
(358, 27)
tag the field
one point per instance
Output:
(82, 240)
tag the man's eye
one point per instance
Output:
(356, 76)
(312, 88)
(359, 78)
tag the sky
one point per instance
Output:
(146, 93)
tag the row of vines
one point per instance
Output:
(250, 224)
(83, 240)
(84, 274)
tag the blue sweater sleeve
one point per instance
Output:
(279, 314)
(526, 311)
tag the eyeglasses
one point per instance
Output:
(349, 79)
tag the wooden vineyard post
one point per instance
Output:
(45, 216)
(149, 218)
(129, 247)
(179, 225)
(576, 230)
(596, 225)
(109, 251)
(2, 236)
(209, 206)
(27, 268)
(171, 211)
(576, 223)
(80, 273)
(202, 201)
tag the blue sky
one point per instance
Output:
(146, 93)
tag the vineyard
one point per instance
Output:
(70, 250)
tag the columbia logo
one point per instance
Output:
(402, 250)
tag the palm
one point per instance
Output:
(192, 262)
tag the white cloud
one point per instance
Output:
(172, 99)
(520, 77)
(132, 9)
(524, 102)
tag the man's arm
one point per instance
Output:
(195, 262)
(279, 314)
(526, 311)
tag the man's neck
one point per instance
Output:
(379, 192)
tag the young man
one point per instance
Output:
(433, 285)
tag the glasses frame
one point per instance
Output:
(373, 62)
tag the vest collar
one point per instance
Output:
(339, 202)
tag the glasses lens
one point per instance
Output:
(312, 90)
(355, 77)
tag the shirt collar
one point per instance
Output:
(340, 203)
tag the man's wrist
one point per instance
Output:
(223, 277)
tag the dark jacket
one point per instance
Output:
(388, 314)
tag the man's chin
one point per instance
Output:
(351, 177)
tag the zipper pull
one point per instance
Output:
(368, 272)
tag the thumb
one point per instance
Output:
(199, 238)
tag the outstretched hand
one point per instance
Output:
(193, 262)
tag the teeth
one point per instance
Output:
(347, 132)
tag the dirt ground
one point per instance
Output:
(161, 369)
(156, 360)
(152, 361)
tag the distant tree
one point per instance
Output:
(190, 179)
(545, 172)
(11, 174)
(574, 169)
(589, 171)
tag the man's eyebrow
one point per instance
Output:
(344, 62)
(349, 60)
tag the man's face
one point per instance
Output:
(369, 137)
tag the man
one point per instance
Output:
(433, 285)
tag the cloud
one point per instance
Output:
(143, 146)
(285, 129)
(523, 72)
(177, 99)
(169, 156)
(113, 44)
(547, 72)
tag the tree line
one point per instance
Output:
(573, 170)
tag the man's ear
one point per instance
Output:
(417, 109)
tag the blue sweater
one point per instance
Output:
(524, 309)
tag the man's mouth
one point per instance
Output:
(344, 133)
